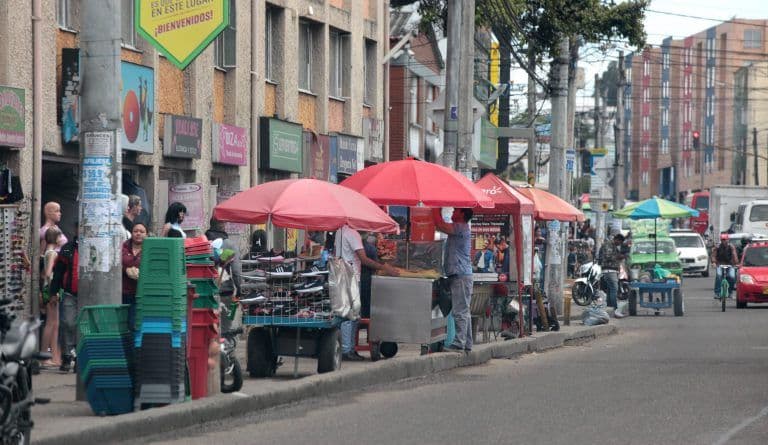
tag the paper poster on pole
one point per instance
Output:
(94, 252)
(527, 250)
(554, 256)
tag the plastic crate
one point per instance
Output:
(110, 401)
(205, 287)
(205, 302)
(201, 271)
(103, 319)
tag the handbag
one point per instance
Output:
(344, 289)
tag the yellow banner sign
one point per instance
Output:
(181, 29)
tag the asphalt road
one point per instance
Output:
(697, 379)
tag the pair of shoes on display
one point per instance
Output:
(310, 286)
(352, 357)
(313, 272)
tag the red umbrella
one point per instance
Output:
(506, 199)
(305, 204)
(412, 183)
(549, 207)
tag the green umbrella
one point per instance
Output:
(655, 208)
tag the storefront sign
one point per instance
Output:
(281, 145)
(373, 140)
(138, 99)
(318, 161)
(191, 195)
(183, 137)
(181, 29)
(12, 118)
(230, 144)
(70, 99)
(347, 148)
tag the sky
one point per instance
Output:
(678, 19)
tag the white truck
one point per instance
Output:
(752, 217)
(724, 202)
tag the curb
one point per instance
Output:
(224, 406)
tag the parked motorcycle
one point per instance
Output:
(584, 289)
(18, 348)
(231, 372)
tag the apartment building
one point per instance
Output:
(750, 130)
(300, 72)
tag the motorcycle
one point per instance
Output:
(231, 372)
(18, 348)
(584, 289)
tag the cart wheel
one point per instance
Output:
(329, 351)
(262, 361)
(633, 302)
(375, 351)
(388, 349)
(677, 297)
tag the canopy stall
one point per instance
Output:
(508, 201)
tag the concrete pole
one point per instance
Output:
(618, 163)
(572, 72)
(452, 65)
(598, 116)
(557, 184)
(505, 63)
(754, 149)
(466, 88)
(533, 158)
(37, 152)
(100, 216)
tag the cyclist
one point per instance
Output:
(724, 254)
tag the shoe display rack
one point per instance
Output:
(280, 293)
(14, 224)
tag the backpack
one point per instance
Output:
(65, 269)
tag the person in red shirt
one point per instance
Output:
(131, 256)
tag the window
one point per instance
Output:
(338, 46)
(271, 43)
(413, 100)
(753, 38)
(225, 45)
(128, 27)
(64, 14)
(369, 93)
(306, 47)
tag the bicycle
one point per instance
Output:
(725, 285)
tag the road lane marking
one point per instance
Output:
(743, 425)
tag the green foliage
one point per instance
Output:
(609, 84)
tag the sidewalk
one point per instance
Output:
(67, 421)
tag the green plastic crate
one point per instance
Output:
(207, 302)
(205, 287)
(103, 319)
(162, 260)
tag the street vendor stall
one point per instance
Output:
(517, 210)
(549, 207)
(404, 309)
(294, 316)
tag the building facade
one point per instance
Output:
(303, 74)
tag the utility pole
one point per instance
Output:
(505, 63)
(597, 111)
(451, 111)
(754, 149)
(618, 162)
(573, 64)
(533, 159)
(466, 86)
(556, 233)
(100, 215)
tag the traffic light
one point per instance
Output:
(696, 140)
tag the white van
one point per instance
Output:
(752, 217)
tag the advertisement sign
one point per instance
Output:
(422, 224)
(191, 195)
(319, 150)
(347, 148)
(485, 230)
(373, 139)
(138, 102)
(281, 145)
(181, 29)
(70, 99)
(12, 117)
(183, 137)
(488, 144)
(230, 145)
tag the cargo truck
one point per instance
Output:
(724, 202)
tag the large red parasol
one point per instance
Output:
(416, 183)
(305, 204)
(548, 207)
(506, 199)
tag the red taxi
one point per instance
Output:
(752, 286)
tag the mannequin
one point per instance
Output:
(52, 211)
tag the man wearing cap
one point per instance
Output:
(724, 254)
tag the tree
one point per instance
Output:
(609, 84)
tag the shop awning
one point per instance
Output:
(548, 207)
(505, 198)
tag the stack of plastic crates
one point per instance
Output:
(105, 358)
(160, 337)
(201, 271)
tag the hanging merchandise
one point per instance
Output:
(14, 224)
